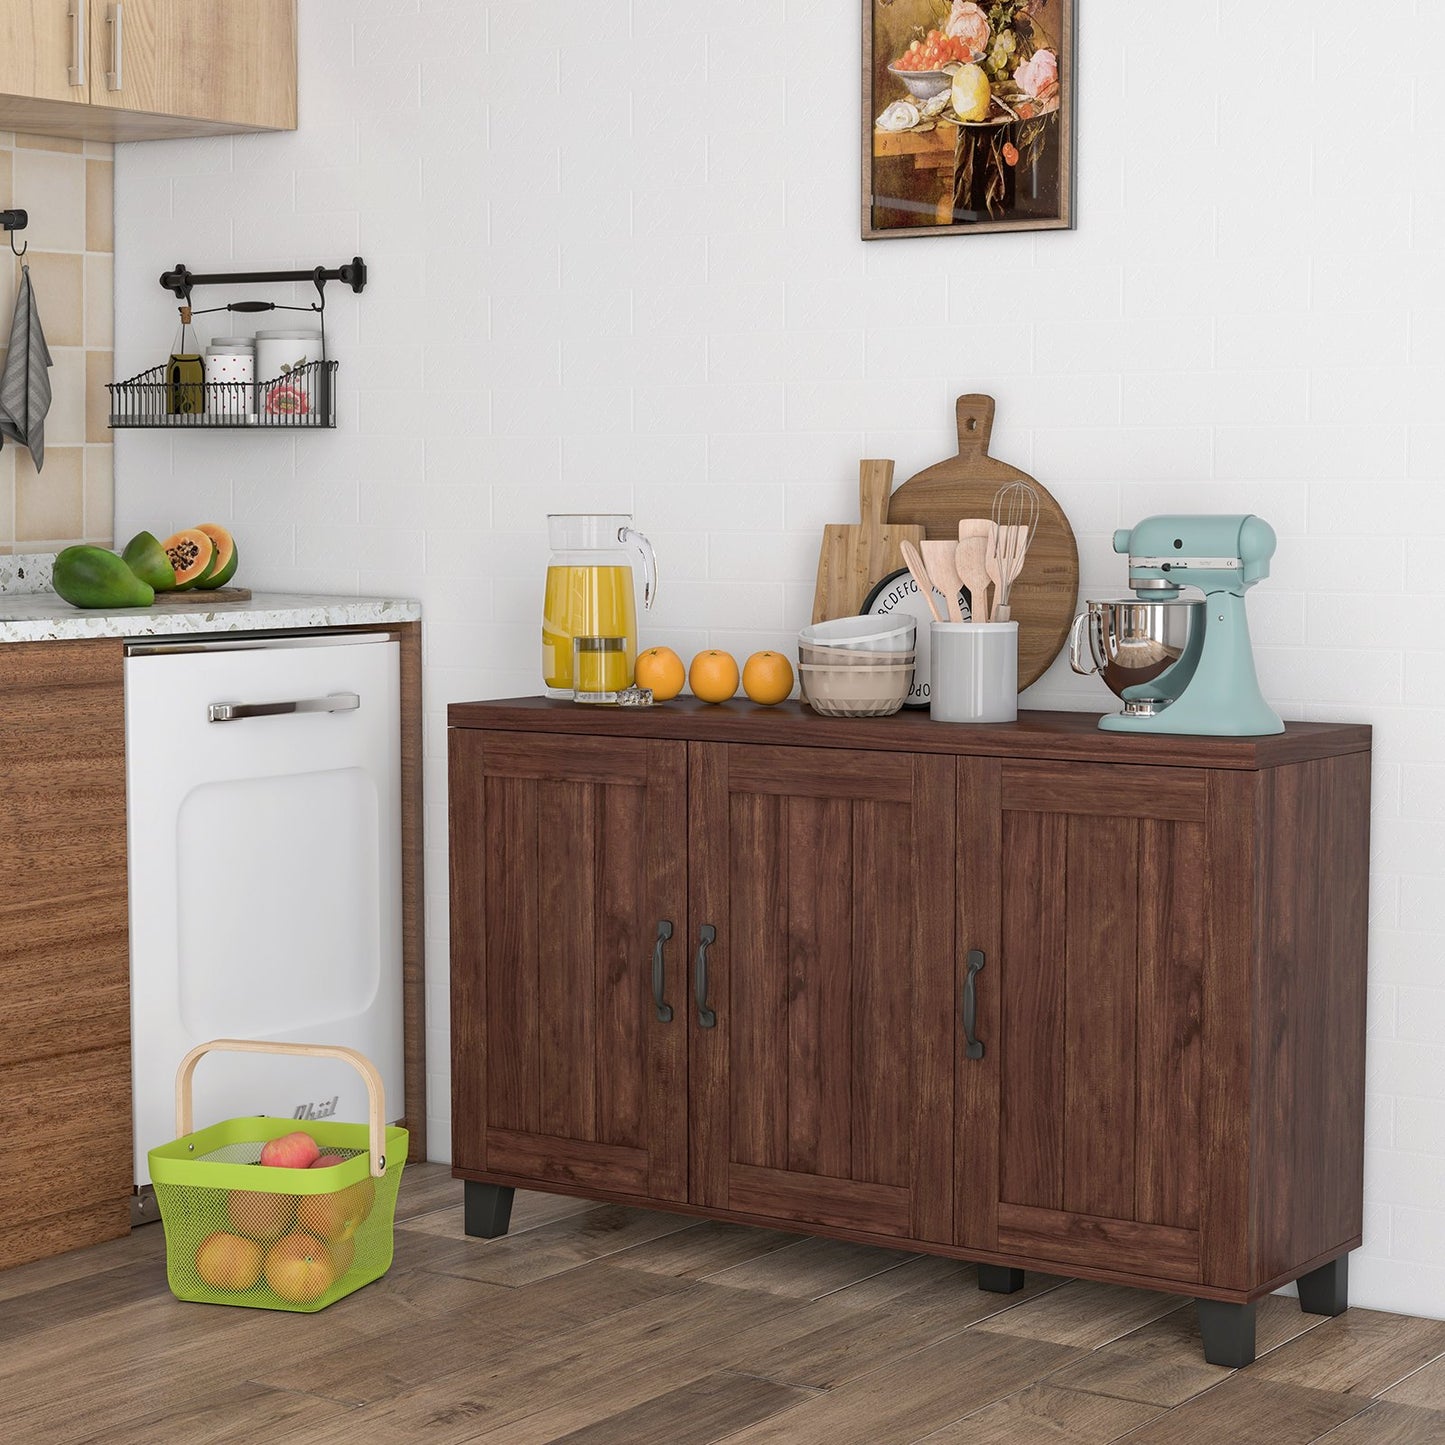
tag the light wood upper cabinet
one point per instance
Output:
(222, 60)
(41, 41)
(152, 69)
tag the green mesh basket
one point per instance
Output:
(239, 1232)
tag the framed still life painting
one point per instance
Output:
(968, 116)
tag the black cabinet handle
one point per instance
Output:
(973, 1049)
(706, 1017)
(664, 1009)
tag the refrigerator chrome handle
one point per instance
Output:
(220, 712)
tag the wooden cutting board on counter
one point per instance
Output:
(1045, 596)
(213, 598)
(856, 555)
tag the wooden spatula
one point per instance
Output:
(855, 556)
(972, 569)
(984, 531)
(941, 559)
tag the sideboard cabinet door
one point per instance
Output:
(821, 1054)
(567, 856)
(1088, 899)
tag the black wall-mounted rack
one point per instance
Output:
(181, 279)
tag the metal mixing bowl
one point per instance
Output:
(1133, 644)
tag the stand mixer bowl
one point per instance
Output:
(1136, 648)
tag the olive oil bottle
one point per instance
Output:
(185, 372)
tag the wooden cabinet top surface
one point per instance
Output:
(1070, 736)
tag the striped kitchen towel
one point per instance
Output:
(25, 382)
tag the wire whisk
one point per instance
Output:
(1016, 521)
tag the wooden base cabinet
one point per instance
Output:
(1036, 996)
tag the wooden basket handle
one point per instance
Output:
(371, 1075)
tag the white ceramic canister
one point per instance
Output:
(975, 671)
(231, 377)
(284, 397)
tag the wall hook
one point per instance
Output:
(13, 221)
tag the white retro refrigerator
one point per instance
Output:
(264, 828)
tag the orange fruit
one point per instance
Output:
(661, 669)
(299, 1268)
(229, 1262)
(260, 1216)
(713, 675)
(767, 677)
(336, 1216)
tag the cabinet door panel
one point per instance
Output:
(1098, 981)
(569, 858)
(822, 1092)
(222, 60)
(37, 47)
(1099, 966)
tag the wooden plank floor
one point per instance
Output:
(607, 1326)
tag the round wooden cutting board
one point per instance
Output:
(1045, 596)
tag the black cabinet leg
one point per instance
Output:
(1228, 1332)
(1000, 1279)
(1326, 1290)
(486, 1209)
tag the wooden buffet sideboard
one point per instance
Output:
(1035, 996)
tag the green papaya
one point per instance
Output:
(226, 556)
(93, 577)
(145, 556)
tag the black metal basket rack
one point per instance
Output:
(305, 397)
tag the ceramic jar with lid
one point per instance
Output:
(288, 390)
(231, 377)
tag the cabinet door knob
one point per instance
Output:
(664, 1009)
(973, 1048)
(706, 1017)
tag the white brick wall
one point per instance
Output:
(615, 265)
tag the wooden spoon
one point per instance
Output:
(941, 559)
(972, 569)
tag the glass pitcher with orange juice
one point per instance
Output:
(589, 590)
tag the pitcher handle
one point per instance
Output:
(649, 563)
(1076, 646)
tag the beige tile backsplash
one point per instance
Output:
(68, 190)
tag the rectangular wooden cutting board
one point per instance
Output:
(214, 598)
(855, 555)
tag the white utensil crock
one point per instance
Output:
(974, 671)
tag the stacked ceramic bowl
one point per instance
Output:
(856, 666)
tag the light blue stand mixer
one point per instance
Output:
(1182, 665)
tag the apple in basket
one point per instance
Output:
(290, 1151)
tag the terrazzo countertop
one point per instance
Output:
(31, 612)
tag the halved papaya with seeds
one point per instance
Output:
(226, 556)
(193, 557)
